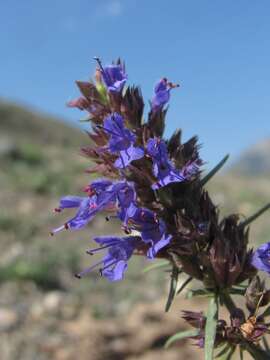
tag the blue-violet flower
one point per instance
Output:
(261, 258)
(121, 141)
(114, 263)
(163, 168)
(114, 76)
(162, 94)
(152, 229)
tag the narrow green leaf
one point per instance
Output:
(241, 353)
(211, 328)
(237, 291)
(229, 355)
(254, 216)
(173, 286)
(265, 343)
(156, 266)
(87, 119)
(199, 293)
(266, 312)
(257, 352)
(214, 170)
(223, 351)
(181, 335)
(185, 283)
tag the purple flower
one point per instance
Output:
(153, 230)
(121, 141)
(100, 197)
(261, 258)
(114, 76)
(163, 168)
(114, 263)
(162, 94)
(126, 198)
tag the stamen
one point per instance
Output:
(99, 63)
(60, 228)
(126, 229)
(92, 251)
(122, 160)
(87, 270)
(57, 210)
(127, 154)
(108, 266)
(172, 86)
(106, 130)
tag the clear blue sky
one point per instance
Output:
(219, 51)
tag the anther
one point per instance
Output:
(89, 252)
(126, 230)
(78, 276)
(99, 62)
(172, 86)
(66, 226)
(51, 233)
(57, 210)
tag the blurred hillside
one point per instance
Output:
(42, 305)
(40, 162)
(255, 161)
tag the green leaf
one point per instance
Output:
(211, 328)
(254, 216)
(157, 265)
(226, 353)
(214, 170)
(257, 352)
(223, 351)
(181, 335)
(185, 283)
(229, 355)
(237, 291)
(173, 286)
(241, 353)
(265, 343)
(198, 292)
(266, 312)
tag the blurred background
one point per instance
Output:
(219, 53)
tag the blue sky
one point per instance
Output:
(219, 51)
